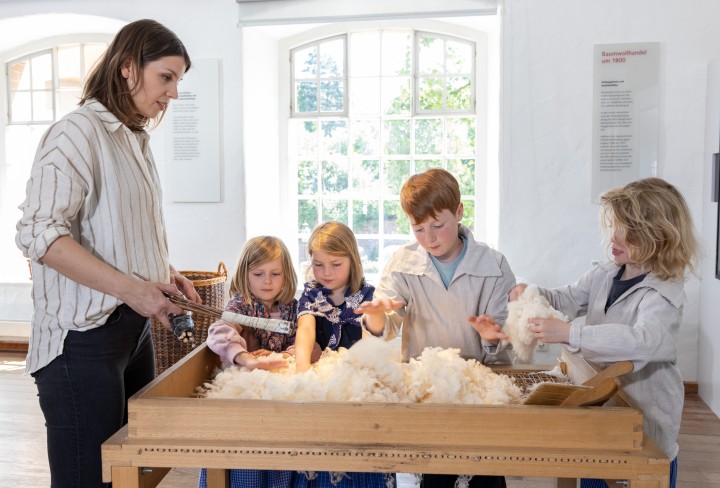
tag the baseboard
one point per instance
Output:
(14, 346)
(691, 387)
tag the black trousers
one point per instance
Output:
(84, 391)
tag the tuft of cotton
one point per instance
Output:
(372, 371)
(531, 304)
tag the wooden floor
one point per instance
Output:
(23, 463)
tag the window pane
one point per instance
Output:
(366, 137)
(305, 138)
(396, 53)
(391, 245)
(464, 172)
(365, 217)
(68, 101)
(42, 106)
(332, 59)
(92, 53)
(305, 62)
(366, 176)
(21, 142)
(459, 57)
(394, 220)
(307, 216)
(430, 93)
(20, 106)
(422, 165)
(335, 210)
(461, 135)
(332, 96)
(364, 54)
(459, 93)
(335, 176)
(307, 177)
(365, 99)
(306, 96)
(42, 72)
(369, 250)
(428, 136)
(334, 140)
(69, 66)
(431, 55)
(396, 172)
(469, 214)
(396, 96)
(20, 75)
(396, 134)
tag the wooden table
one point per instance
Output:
(169, 429)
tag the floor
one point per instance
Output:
(24, 464)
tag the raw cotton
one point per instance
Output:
(531, 304)
(372, 371)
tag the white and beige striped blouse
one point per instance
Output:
(95, 180)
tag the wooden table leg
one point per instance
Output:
(218, 478)
(134, 477)
(566, 483)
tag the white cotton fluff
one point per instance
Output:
(372, 371)
(531, 304)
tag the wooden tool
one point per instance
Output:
(272, 325)
(595, 391)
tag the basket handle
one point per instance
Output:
(222, 267)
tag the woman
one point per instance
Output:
(92, 217)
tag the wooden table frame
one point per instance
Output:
(132, 461)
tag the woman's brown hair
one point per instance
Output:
(141, 42)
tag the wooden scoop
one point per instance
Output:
(595, 391)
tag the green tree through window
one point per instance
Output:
(370, 109)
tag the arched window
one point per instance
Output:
(369, 109)
(42, 86)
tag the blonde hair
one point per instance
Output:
(426, 194)
(336, 239)
(654, 220)
(256, 252)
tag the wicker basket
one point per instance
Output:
(210, 286)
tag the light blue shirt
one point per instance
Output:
(447, 270)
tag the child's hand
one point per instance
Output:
(488, 329)
(249, 361)
(517, 291)
(379, 305)
(550, 331)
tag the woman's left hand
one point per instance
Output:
(550, 331)
(185, 286)
(488, 329)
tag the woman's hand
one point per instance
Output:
(185, 286)
(488, 329)
(550, 331)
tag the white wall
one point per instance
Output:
(548, 227)
(709, 343)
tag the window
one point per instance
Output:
(41, 88)
(368, 110)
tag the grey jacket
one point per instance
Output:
(641, 326)
(438, 317)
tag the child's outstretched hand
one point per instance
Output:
(379, 305)
(517, 291)
(488, 329)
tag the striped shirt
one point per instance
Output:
(95, 180)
